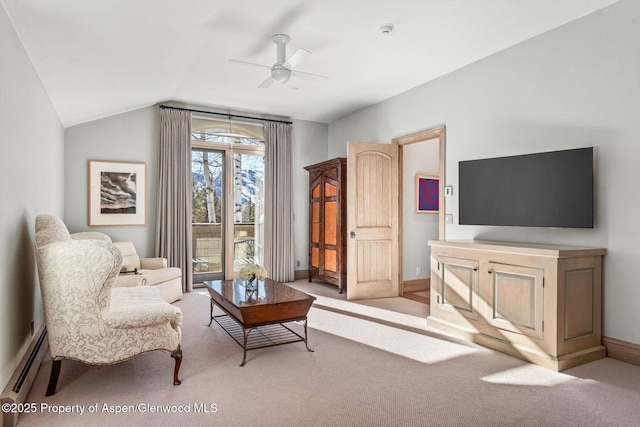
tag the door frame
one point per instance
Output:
(439, 133)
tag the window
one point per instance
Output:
(227, 169)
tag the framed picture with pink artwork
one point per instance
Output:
(427, 193)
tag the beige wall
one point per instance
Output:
(575, 86)
(127, 137)
(31, 177)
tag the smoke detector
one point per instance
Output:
(386, 29)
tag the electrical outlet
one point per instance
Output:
(418, 271)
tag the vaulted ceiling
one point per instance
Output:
(98, 58)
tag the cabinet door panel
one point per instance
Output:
(579, 300)
(458, 286)
(330, 262)
(330, 223)
(315, 222)
(516, 299)
(330, 189)
(315, 257)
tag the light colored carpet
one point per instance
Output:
(380, 366)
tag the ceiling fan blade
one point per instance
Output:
(309, 76)
(237, 61)
(297, 56)
(265, 84)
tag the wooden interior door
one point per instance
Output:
(372, 221)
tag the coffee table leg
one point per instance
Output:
(306, 343)
(211, 311)
(245, 332)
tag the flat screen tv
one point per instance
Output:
(552, 189)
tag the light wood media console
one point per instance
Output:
(541, 303)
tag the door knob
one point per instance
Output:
(352, 234)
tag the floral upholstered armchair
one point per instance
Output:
(90, 320)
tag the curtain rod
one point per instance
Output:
(225, 114)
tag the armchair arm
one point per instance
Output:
(130, 280)
(138, 316)
(153, 263)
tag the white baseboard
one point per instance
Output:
(22, 378)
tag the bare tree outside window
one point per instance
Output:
(206, 168)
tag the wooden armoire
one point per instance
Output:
(328, 222)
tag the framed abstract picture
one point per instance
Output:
(427, 194)
(117, 193)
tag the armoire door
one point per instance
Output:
(330, 226)
(316, 224)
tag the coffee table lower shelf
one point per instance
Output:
(260, 336)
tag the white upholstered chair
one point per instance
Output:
(137, 271)
(155, 271)
(87, 318)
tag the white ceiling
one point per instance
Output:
(98, 58)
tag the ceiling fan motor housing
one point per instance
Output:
(279, 72)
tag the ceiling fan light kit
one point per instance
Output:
(280, 73)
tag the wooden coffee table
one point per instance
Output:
(257, 319)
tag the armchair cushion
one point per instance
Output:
(149, 309)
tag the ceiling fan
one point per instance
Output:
(282, 70)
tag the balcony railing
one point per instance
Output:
(207, 246)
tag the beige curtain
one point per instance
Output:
(278, 234)
(173, 232)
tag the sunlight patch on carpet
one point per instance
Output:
(404, 343)
(531, 375)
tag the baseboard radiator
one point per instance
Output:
(20, 383)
